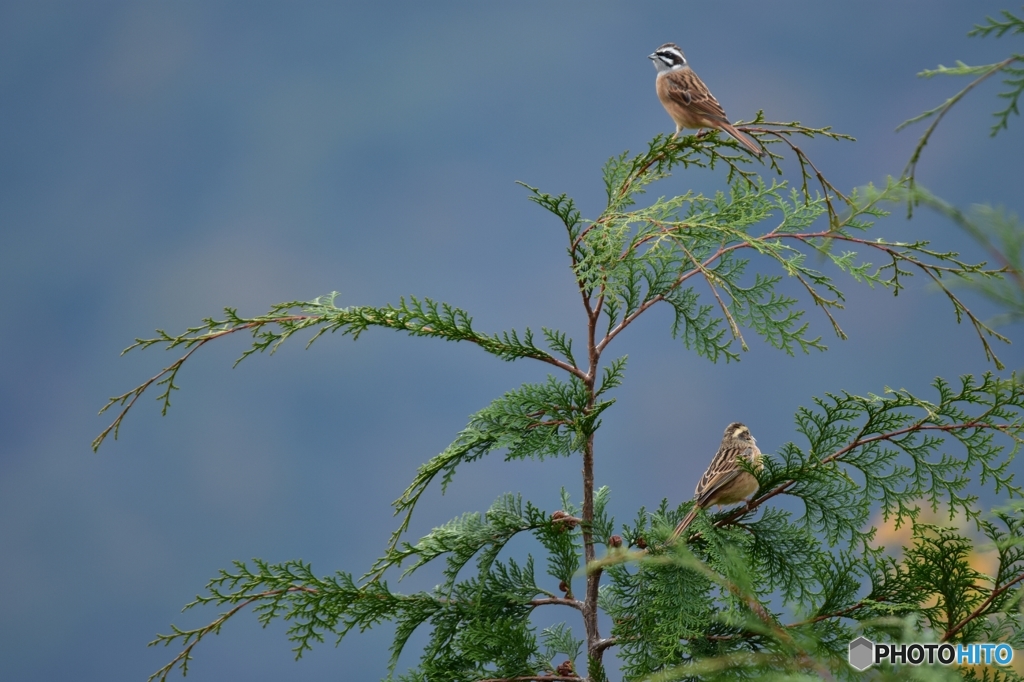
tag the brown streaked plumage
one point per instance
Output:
(725, 482)
(687, 100)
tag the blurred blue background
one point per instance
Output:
(162, 160)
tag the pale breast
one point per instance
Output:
(743, 487)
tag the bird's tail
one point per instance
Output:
(742, 139)
(685, 523)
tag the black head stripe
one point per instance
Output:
(670, 54)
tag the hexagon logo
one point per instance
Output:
(862, 653)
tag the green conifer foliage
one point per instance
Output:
(756, 591)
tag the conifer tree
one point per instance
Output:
(755, 591)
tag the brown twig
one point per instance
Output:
(606, 643)
(574, 603)
(995, 594)
(709, 277)
(805, 162)
(536, 678)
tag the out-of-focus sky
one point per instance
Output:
(162, 160)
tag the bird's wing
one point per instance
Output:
(719, 482)
(689, 90)
(723, 463)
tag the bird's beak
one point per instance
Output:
(652, 56)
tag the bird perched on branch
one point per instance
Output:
(687, 100)
(725, 481)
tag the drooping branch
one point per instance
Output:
(416, 317)
(940, 111)
(350, 604)
(828, 189)
(193, 339)
(189, 638)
